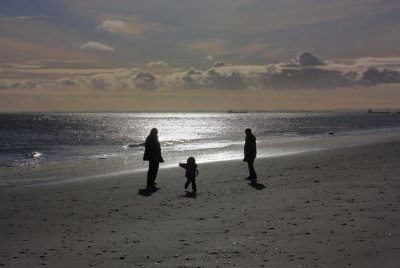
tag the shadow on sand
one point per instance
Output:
(189, 195)
(256, 185)
(148, 191)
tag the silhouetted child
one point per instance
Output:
(191, 172)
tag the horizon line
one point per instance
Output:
(395, 110)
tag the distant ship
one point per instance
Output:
(237, 112)
(375, 112)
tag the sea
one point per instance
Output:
(29, 139)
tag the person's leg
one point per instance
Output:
(152, 173)
(194, 187)
(253, 175)
(187, 183)
(149, 174)
(156, 165)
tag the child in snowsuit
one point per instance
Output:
(191, 172)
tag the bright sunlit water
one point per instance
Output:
(34, 138)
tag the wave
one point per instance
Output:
(29, 159)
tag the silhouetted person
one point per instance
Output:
(250, 152)
(152, 153)
(191, 172)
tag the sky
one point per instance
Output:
(194, 55)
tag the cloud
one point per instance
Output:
(217, 80)
(100, 83)
(220, 78)
(157, 64)
(5, 85)
(68, 83)
(191, 83)
(193, 71)
(309, 71)
(113, 26)
(385, 62)
(306, 78)
(192, 79)
(306, 71)
(107, 80)
(145, 80)
(306, 58)
(374, 76)
(219, 64)
(128, 26)
(120, 79)
(96, 46)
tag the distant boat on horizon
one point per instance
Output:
(237, 112)
(370, 111)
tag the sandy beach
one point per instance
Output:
(333, 208)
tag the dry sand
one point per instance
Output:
(336, 208)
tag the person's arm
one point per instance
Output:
(182, 165)
(157, 152)
(254, 147)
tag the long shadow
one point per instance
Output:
(148, 191)
(256, 185)
(189, 195)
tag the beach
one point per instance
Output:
(330, 208)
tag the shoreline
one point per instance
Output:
(331, 208)
(91, 169)
(278, 143)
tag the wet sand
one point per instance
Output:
(334, 208)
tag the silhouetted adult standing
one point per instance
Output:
(152, 153)
(250, 152)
